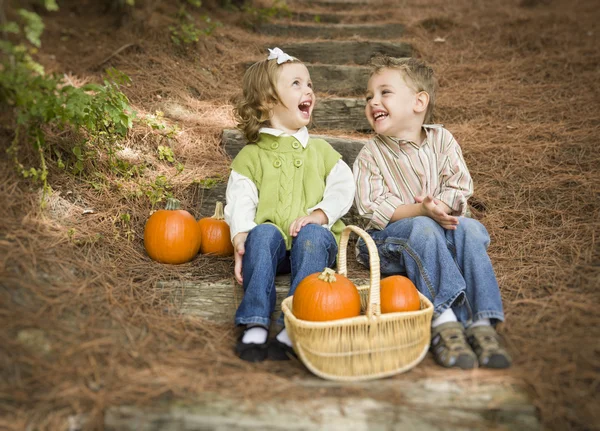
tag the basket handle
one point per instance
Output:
(374, 304)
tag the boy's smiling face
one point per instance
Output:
(294, 89)
(393, 107)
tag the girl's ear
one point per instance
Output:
(421, 102)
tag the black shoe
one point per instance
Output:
(251, 352)
(278, 351)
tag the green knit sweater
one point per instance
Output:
(289, 178)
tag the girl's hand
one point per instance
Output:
(432, 208)
(238, 252)
(316, 217)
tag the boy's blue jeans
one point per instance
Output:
(312, 251)
(450, 267)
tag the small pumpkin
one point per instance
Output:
(398, 293)
(215, 234)
(326, 296)
(171, 235)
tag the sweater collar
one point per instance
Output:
(301, 135)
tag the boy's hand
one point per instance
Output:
(316, 217)
(432, 208)
(238, 252)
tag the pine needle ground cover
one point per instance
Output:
(84, 325)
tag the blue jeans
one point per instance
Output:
(312, 251)
(450, 267)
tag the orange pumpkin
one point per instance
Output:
(326, 296)
(172, 235)
(398, 293)
(215, 234)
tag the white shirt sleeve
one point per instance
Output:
(242, 200)
(338, 195)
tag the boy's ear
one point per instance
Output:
(421, 102)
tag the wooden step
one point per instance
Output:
(339, 79)
(316, 18)
(335, 79)
(424, 398)
(332, 31)
(341, 113)
(405, 402)
(336, 5)
(217, 300)
(425, 406)
(345, 52)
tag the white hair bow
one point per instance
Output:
(281, 56)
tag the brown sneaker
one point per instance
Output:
(450, 348)
(486, 343)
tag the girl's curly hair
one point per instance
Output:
(252, 109)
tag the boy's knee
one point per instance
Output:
(425, 227)
(414, 229)
(473, 229)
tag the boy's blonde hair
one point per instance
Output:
(252, 109)
(416, 74)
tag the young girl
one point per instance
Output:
(285, 196)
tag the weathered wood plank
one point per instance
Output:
(333, 31)
(341, 113)
(339, 79)
(309, 17)
(217, 300)
(345, 52)
(425, 405)
(337, 4)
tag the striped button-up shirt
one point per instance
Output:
(390, 172)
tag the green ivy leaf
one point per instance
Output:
(34, 27)
(10, 27)
(50, 5)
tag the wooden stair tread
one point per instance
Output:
(336, 79)
(345, 51)
(342, 113)
(463, 400)
(500, 405)
(331, 31)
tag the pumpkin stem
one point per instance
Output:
(219, 214)
(328, 275)
(172, 204)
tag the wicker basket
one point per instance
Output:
(368, 346)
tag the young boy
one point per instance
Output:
(413, 186)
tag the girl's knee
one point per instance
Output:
(313, 236)
(263, 235)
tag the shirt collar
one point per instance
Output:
(301, 135)
(397, 141)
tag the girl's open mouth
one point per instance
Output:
(304, 107)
